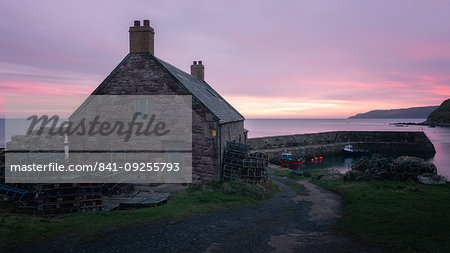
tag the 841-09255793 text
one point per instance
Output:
(98, 167)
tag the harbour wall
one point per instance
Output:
(332, 143)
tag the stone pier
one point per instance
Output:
(332, 143)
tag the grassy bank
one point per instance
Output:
(403, 216)
(16, 229)
(287, 173)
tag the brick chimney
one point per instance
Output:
(198, 70)
(142, 38)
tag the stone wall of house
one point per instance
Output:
(204, 145)
(233, 131)
(141, 75)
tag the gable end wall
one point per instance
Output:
(141, 75)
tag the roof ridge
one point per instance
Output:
(200, 90)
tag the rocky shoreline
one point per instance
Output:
(420, 124)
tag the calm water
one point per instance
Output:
(439, 136)
(11, 127)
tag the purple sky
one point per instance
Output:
(268, 58)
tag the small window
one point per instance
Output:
(240, 140)
(141, 105)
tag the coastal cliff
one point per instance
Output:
(407, 113)
(332, 143)
(440, 116)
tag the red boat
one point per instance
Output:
(288, 162)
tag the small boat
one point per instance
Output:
(288, 162)
(350, 150)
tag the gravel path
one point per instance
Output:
(288, 222)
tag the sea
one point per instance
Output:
(439, 136)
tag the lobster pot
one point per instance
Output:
(238, 164)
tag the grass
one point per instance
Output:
(284, 173)
(404, 216)
(287, 173)
(15, 229)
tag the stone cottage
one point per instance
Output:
(214, 120)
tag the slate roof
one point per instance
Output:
(205, 93)
(199, 89)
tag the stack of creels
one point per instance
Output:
(238, 164)
(406, 167)
(379, 168)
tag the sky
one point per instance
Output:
(269, 59)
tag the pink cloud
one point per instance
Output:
(331, 59)
(15, 88)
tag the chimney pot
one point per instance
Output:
(142, 38)
(199, 62)
(195, 63)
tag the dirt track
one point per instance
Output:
(288, 222)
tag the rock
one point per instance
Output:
(440, 116)
(428, 178)
(226, 188)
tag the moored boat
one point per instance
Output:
(350, 150)
(288, 161)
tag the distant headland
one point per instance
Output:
(435, 115)
(405, 113)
